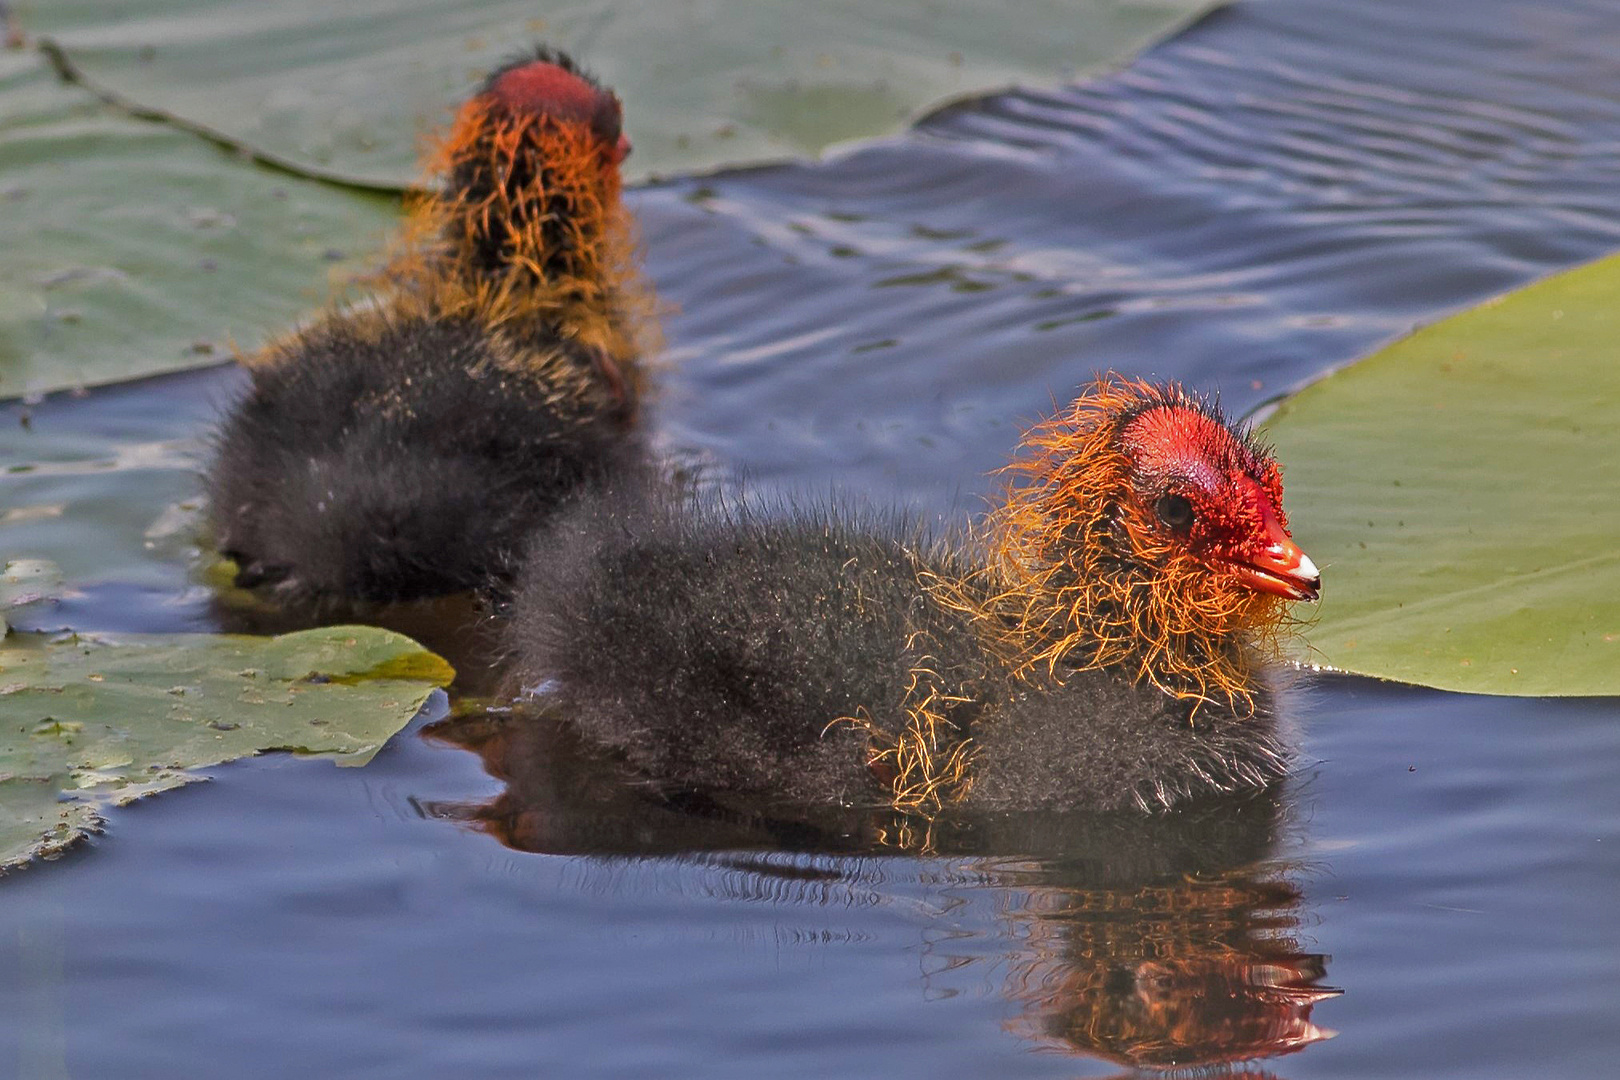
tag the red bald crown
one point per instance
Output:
(543, 87)
(546, 89)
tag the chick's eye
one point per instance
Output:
(1174, 510)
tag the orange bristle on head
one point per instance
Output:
(1142, 531)
(552, 87)
(528, 220)
(531, 171)
(524, 192)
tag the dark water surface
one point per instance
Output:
(1267, 196)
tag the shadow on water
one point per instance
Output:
(1150, 942)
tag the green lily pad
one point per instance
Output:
(92, 721)
(348, 89)
(1461, 490)
(26, 581)
(132, 248)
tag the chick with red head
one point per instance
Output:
(1107, 637)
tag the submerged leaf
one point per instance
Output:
(348, 89)
(26, 581)
(105, 485)
(1460, 489)
(90, 721)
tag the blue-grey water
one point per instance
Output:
(1256, 201)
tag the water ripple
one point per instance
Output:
(1267, 196)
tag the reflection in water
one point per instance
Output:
(1152, 942)
(1196, 972)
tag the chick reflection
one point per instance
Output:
(1201, 972)
(1151, 942)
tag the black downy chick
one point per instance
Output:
(1105, 639)
(403, 448)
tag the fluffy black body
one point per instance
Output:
(717, 647)
(381, 459)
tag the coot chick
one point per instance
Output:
(1105, 638)
(403, 448)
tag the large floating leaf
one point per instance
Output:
(131, 247)
(347, 89)
(1462, 490)
(87, 721)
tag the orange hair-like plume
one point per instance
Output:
(529, 227)
(1079, 575)
(927, 764)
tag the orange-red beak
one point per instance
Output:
(1279, 568)
(621, 149)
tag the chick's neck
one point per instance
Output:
(529, 226)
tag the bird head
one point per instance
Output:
(529, 192)
(526, 226)
(549, 89)
(1143, 529)
(1197, 490)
